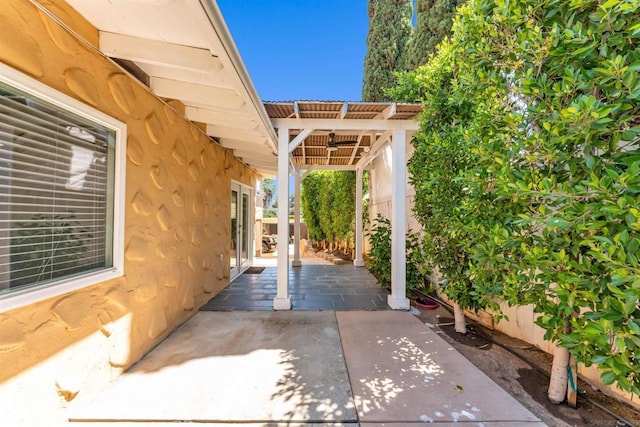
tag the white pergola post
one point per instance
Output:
(296, 218)
(398, 298)
(359, 261)
(282, 300)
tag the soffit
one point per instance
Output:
(186, 50)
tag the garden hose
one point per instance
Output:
(531, 363)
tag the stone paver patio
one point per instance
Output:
(311, 287)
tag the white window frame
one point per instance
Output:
(28, 296)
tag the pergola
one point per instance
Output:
(304, 129)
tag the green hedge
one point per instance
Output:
(328, 205)
(527, 168)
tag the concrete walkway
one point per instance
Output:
(371, 368)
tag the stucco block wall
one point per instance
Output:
(58, 351)
(380, 188)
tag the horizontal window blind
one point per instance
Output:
(56, 190)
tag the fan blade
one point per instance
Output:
(338, 143)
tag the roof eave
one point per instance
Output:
(220, 27)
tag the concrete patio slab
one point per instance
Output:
(474, 424)
(254, 367)
(403, 372)
(213, 424)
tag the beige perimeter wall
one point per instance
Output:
(59, 351)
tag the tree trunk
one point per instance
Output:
(572, 387)
(458, 318)
(558, 381)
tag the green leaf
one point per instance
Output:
(597, 360)
(608, 377)
(591, 161)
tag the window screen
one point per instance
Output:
(56, 192)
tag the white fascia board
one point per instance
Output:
(225, 43)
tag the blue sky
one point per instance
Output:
(301, 49)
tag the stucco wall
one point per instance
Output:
(177, 227)
(380, 188)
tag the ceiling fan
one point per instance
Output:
(333, 145)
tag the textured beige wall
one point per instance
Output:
(177, 225)
(380, 189)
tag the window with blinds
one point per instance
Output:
(57, 171)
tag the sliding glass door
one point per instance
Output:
(241, 228)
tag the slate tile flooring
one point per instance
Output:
(311, 287)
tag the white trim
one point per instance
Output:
(359, 261)
(242, 188)
(282, 300)
(346, 124)
(297, 262)
(327, 167)
(218, 25)
(299, 139)
(398, 298)
(27, 296)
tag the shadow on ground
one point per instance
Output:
(236, 367)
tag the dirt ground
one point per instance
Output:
(525, 374)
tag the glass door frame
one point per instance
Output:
(245, 218)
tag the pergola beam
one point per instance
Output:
(307, 172)
(299, 138)
(327, 167)
(388, 112)
(376, 147)
(343, 111)
(355, 149)
(346, 124)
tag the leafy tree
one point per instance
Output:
(572, 170)
(328, 205)
(535, 106)
(379, 258)
(268, 192)
(443, 169)
(389, 32)
(310, 205)
(433, 24)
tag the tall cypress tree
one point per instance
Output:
(433, 23)
(389, 33)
